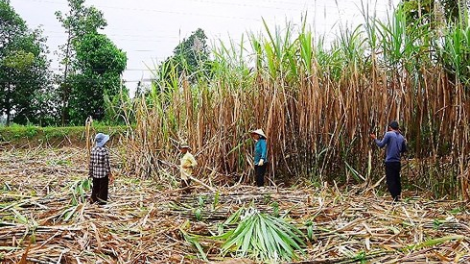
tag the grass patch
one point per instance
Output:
(33, 135)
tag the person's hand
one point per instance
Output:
(261, 162)
(111, 178)
(373, 136)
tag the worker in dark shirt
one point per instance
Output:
(396, 145)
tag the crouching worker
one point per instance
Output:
(188, 163)
(99, 170)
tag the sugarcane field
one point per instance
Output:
(46, 218)
(234, 132)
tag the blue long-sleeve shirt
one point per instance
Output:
(261, 151)
(395, 143)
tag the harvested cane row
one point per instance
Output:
(45, 219)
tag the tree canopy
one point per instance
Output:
(92, 64)
(24, 69)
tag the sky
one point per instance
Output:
(149, 30)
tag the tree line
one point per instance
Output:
(89, 83)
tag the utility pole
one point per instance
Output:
(65, 85)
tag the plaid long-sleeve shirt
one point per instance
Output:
(99, 163)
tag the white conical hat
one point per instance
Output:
(184, 145)
(259, 132)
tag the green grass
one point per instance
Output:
(17, 134)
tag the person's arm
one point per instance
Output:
(193, 162)
(108, 167)
(264, 152)
(90, 167)
(404, 146)
(384, 141)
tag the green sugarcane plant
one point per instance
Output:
(263, 237)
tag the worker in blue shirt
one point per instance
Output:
(396, 145)
(260, 156)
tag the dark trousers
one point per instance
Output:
(99, 191)
(392, 171)
(259, 172)
(186, 186)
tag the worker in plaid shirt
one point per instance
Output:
(100, 170)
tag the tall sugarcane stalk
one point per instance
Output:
(317, 103)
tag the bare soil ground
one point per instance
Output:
(45, 219)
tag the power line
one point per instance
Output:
(86, 80)
(110, 27)
(158, 11)
(306, 3)
(139, 38)
(135, 40)
(116, 35)
(216, 3)
(174, 37)
(250, 5)
(130, 69)
(209, 15)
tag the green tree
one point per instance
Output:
(79, 21)
(24, 73)
(101, 64)
(190, 57)
(456, 10)
(421, 12)
(92, 64)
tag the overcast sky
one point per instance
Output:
(148, 30)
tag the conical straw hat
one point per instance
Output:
(184, 145)
(259, 132)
